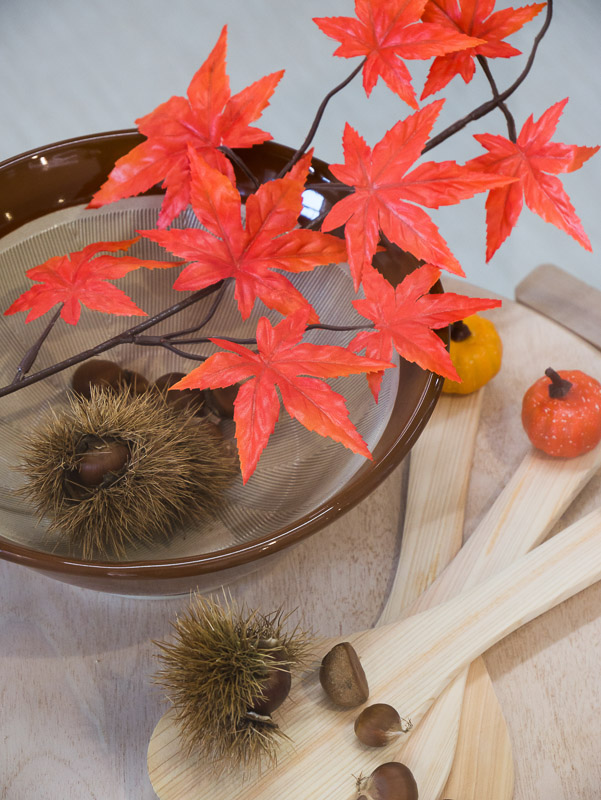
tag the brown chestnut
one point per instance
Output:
(342, 676)
(168, 379)
(378, 724)
(96, 372)
(275, 689)
(390, 781)
(222, 400)
(106, 374)
(136, 383)
(179, 399)
(100, 461)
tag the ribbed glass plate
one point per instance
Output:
(297, 472)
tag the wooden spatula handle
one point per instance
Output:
(440, 465)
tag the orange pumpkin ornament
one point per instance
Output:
(561, 413)
(476, 351)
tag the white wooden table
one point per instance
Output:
(77, 706)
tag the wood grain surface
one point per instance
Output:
(77, 706)
(560, 296)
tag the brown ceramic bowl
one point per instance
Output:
(303, 481)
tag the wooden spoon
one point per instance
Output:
(440, 466)
(533, 500)
(408, 663)
(439, 471)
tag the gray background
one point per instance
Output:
(73, 67)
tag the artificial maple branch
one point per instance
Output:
(30, 356)
(122, 338)
(511, 129)
(375, 195)
(487, 107)
(318, 116)
(134, 336)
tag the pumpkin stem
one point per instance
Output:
(460, 331)
(558, 387)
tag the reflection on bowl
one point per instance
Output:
(303, 481)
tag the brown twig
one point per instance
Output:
(329, 185)
(318, 326)
(160, 341)
(206, 319)
(240, 163)
(316, 122)
(511, 130)
(122, 338)
(30, 356)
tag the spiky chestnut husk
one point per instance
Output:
(177, 470)
(214, 672)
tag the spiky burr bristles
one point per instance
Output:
(177, 470)
(214, 671)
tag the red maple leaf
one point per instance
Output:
(474, 18)
(207, 119)
(386, 31)
(405, 318)
(533, 160)
(81, 278)
(385, 193)
(249, 255)
(281, 360)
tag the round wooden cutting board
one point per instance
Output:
(77, 706)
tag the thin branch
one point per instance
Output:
(511, 130)
(239, 163)
(321, 326)
(30, 356)
(158, 341)
(318, 326)
(207, 318)
(197, 340)
(114, 341)
(320, 112)
(485, 108)
(329, 185)
(315, 224)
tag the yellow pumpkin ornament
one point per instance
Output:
(476, 351)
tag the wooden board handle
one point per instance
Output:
(440, 465)
(563, 298)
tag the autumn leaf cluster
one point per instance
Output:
(257, 244)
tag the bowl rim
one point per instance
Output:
(363, 482)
